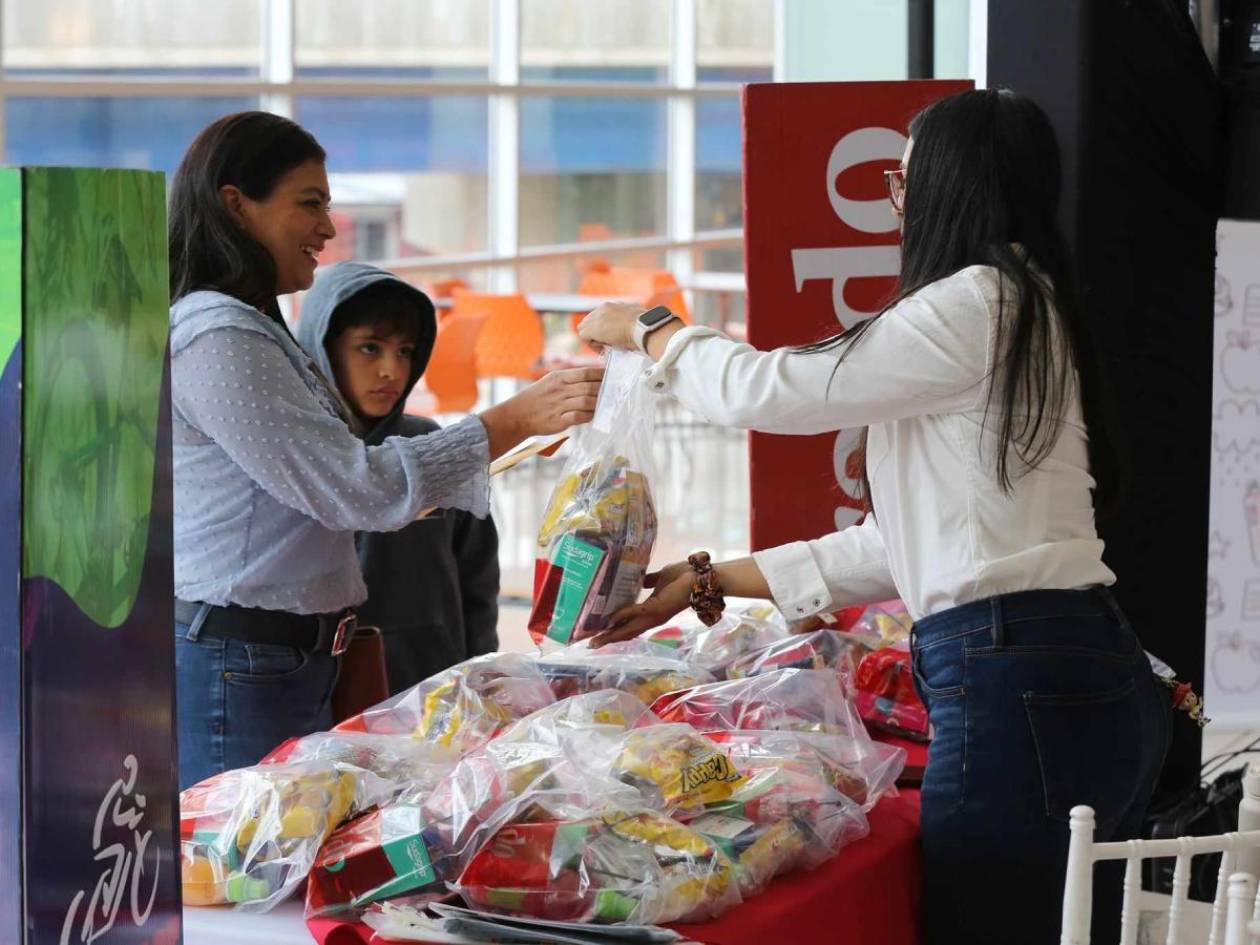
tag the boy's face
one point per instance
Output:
(372, 368)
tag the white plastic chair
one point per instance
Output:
(1236, 910)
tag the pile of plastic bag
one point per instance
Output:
(546, 786)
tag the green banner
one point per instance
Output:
(96, 289)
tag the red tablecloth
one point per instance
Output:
(867, 895)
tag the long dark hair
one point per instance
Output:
(982, 188)
(208, 249)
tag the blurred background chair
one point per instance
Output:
(510, 343)
(450, 377)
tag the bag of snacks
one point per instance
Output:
(885, 695)
(644, 670)
(399, 760)
(463, 707)
(618, 866)
(250, 836)
(739, 632)
(613, 708)
(551, 765)
(819, 649)
(674, 766)
(863, 770)
(599, 527)
(801, 700)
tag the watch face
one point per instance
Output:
(654, 316)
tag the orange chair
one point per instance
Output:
(511, 341)
(444, 289)
(671, 297)
(451, 374)
(631, 281)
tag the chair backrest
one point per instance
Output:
(511, 340)
(1235, 905)
(451, 374)
(444, 288)
(631, 281)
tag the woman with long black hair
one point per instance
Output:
(986, 456)
(271, 482)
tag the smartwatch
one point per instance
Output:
(648, 322)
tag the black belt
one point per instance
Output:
(329, 633)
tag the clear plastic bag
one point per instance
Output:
(819, 649)
(547, 766)
(599, 527)
(740, 631)
(544, 768)
(399, 760)
(889, 621)
(620, 866)
(861, 769)
(642, 669)
(618, 710)
(802, 700)
(250, 836)
(804, 798)
(462, 707)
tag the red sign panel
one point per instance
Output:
(821, 253)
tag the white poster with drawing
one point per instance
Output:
(1233, 604)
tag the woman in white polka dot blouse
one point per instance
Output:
(271, 482)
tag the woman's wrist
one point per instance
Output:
(504, 429)
(658, 340)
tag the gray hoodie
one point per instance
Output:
(433, 586)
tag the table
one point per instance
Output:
(867, 895)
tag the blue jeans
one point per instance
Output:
(1039, 701)
(236, 701)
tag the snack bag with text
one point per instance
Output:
(599, 527)
(250, 836)
(619, 866)
(460, 708)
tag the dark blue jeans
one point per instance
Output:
(236, 701)
(1039, 701)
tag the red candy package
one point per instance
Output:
(885, 693)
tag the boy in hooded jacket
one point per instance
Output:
(433, 585)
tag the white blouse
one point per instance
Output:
(944, 533)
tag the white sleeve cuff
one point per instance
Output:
(658, 379)
(796, 583)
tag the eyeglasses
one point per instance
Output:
(896, 181)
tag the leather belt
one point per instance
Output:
(328, 633)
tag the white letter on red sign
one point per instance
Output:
(840, 264)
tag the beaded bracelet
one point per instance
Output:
(706, 594)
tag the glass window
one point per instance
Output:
(109, 132)
(951, 20)
(719, 164)
(595, 40)
(408, 173)
(126, 37)
(591, 168)
(734, 40)
(416, 39)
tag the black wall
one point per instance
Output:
(1139, 118)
